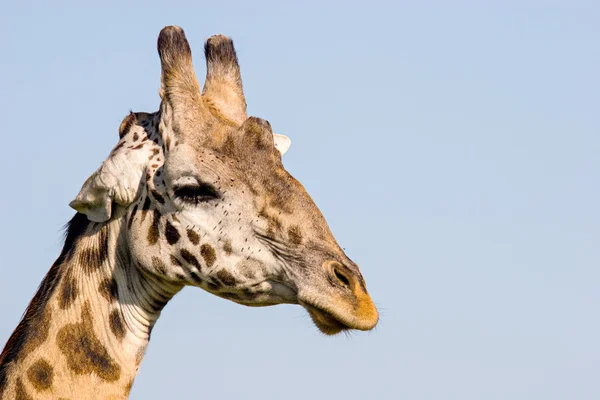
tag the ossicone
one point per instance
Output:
(223, 87)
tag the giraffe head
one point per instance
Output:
(205, 199)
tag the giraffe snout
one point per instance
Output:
(366, 315)
(343, 276)
(342, 303)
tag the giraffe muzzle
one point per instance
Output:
(343, 303)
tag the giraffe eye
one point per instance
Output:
(195, 194)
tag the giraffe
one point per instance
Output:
(194, 194)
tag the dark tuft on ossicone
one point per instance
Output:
(219, 49)
(172, 45)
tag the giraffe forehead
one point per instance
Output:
(288, 211)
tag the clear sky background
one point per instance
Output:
(454, 148)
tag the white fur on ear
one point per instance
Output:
(93, 200)
(282, 143)
(117, 180)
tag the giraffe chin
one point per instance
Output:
(325, 321)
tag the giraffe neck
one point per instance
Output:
(84, 333)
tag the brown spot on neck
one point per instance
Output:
(41, 375)
(31, 333)
(68, 292)
(93, 257)
(116, 324)
(85, 354)
(33, 329)
(109, 289)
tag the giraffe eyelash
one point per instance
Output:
(195, 194)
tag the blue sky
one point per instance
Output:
(452, 146)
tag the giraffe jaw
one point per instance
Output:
(325, 321)
(332, 322)
(339, 301)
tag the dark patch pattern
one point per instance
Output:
(41, 374)
(93, 257)
(156, 195)
(153, 230)
(85, 354)
(295, 235)
(190, 259)
(195, 277)
(175, 261)
(171, 233)
(145, 208)
(227, 247)
(68, 292)
(147, 203)
(193, 236)
(36, 335)
(225, 277)
(109, 289)
(32, 331)
(116, 324)
(159, 266)
(208, 253)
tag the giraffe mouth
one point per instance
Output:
(325, 320)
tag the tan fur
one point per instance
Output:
(195, 195)
(61, 347)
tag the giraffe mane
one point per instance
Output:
(33, 316)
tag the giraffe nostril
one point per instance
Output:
(341, 277)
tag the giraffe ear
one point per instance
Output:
(116, 181)
(93, 200)
(282, 143)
